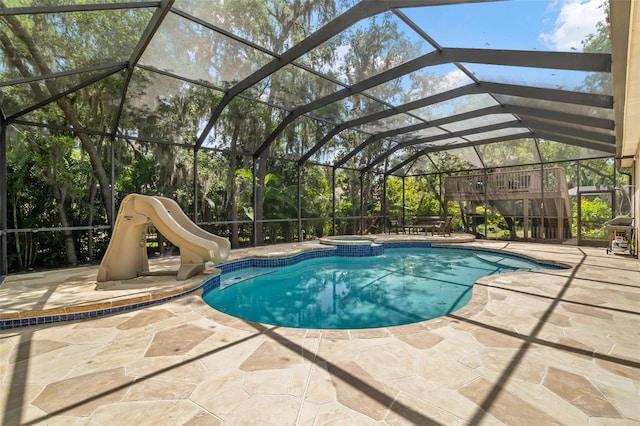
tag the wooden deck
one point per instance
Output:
(512, 185)
(546, 206)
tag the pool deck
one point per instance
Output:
(544, 347)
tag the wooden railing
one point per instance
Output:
(510, 182)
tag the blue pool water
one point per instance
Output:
(404, 285)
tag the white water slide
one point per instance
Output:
(126, 256)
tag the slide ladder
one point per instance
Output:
(126, 255)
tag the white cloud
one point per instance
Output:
(453, 79)
(576, 20)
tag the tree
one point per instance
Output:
(31, 45)
(594, 213)
(316, 197)
(29, 41)
(598, 42)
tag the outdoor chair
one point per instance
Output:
(422, 223)
(442, 228)
(392, 223)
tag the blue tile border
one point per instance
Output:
(407, 244)
(274, 262)
(360, 250)
(51, 319)
(212, 282)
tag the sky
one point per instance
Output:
(574, 22)
(541, 25)
(550, 25)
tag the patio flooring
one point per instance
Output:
(545, 347)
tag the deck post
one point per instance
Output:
(525, 218)
(560, 208)
(542, 209)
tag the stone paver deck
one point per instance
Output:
(545, 347)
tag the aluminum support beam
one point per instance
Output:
(145, 39)
(36, 10)
(342, 22)
(552, 60)
(565, 96)
(63, 94)
(461, 134)
(540, 126)
(522, 112)
(119, 65)
(543, 135)
(596, 141)
(447, 147)
(362, 10)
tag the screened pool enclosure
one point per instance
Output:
(281, 121)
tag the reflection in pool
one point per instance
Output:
(404, 285)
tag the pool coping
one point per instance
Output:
(117, 305)
(26, 318)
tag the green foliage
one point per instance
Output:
(597, 172)
(244, 182)
(593, 215)
(60, 177)
(280, 199)
(421, 196)
(50, 184)
(599, 43)
(515, 152)
(138, 177)
(316, 196)
(495, 221)
(394, 197)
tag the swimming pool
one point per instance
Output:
(401, 286)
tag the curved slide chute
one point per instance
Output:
(126, 256)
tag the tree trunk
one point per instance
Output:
(69, 241)
(60, 196)
(258, 202)
(94, 157)
(92, 197)
(19, 253)
(231, 207)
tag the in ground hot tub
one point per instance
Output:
(354, 245)
(347, 240)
